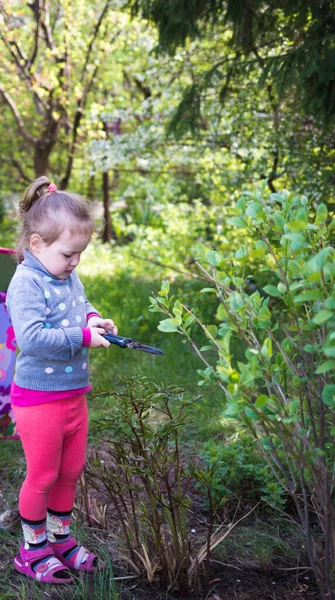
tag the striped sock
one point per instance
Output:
(58, 532)
(35, 538)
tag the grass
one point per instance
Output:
(263, 544)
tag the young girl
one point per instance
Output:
(54, 325)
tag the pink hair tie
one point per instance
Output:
(52, 187)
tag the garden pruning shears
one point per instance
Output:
(124, 342)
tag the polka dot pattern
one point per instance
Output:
(64, 304)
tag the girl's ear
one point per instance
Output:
(36, 243)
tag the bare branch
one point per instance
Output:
(22, 63)
(22, 174)
(94, 36)
(19, 121)
(45, 24)
(82, 101)
(35, 6)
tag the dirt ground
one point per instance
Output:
(247, 584)
(233, 580)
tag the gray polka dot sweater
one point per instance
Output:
(48, 315)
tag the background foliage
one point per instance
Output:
(162, 113)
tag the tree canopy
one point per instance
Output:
(293, 40)
(51, 56)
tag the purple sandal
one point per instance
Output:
(46, 571)
(84, 561)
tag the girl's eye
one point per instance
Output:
(67, 255)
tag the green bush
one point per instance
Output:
(283, 386)
(241, 473)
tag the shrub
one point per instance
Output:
(149, 484)
(240, 472)
(283, 387)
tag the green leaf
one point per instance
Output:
(241, 253)
(189, 320)
(212, 330)
(277, 198)
(236, 222)
(266, 350)
(177, 309)
(328, 395)
(214, 258)
(318, 261)
(165, 288)
(321, 213)
(278, 220)
(329, 350)
(297, 225)
(311, 348)
(282, 288)
(240, 204)
(272, 291)
(328, 365)
(330, 303)
(233, 409)
(308, 295)
(322, 316)
(254, 210)
(261, 401)
(207, 290)
(168, 326)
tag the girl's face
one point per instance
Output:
(63, 255)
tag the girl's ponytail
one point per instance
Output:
(38, 188)
(47, 211)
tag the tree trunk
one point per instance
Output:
(41, 157)
(107, 232)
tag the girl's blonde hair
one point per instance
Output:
(48, 213)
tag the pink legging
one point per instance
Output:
(54, 438)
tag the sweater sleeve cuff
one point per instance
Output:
(92, 314)
(86, 336)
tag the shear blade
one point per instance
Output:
(143, 348)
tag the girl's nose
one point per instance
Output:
(75, 260)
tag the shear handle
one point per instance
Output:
(118, 340)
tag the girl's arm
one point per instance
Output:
(27, 309)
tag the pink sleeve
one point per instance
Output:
(92, 314)
(86, 336)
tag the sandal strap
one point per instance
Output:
(33, 555)
(50, 567)
(82, 555)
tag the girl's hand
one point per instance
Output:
(108, 325)
(97, 341)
